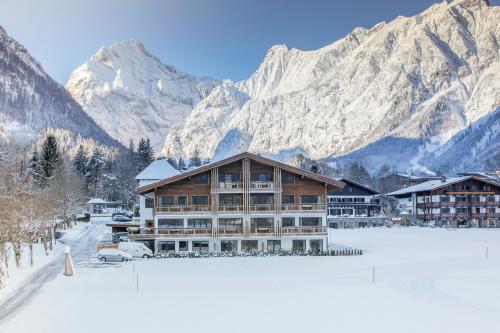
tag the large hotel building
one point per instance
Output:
(244, 202)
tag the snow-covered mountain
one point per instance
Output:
(414, 83)
(32, 102)
(131, 94)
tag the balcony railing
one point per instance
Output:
(138, 233)
(261, 185)
(230, 186)
(253, 208)
(196, 209)
(304, 231)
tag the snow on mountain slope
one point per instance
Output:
(31, 101)
(131, 94)
(419, 79)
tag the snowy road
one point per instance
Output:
(82, 246)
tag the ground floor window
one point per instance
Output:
(333, 225)
(288, 222)
(298, 245)
(229, 246)
(249, 245)
(200, 246)
(167, 246)
(273, 245)
(316, 245)
(310, 221)
(183, 246)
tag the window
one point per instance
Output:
(316, 245)
(335, 211)
(262, 222)
(166, 200)
(474, 198)
(310, 199)
(261, 177)
(200, 223)
(287, 178)
(249, 245)
(288, 222)
(200, 200)
(347, 200)
(200, 246)
(348, 211)
(201, 179)
(273, 245)
(490, 198)
(287, 199)
(229, 246)
(462, 210)
(229, 177)
(445, 198)
(298, 245)
(359, 199)
(445, 210)
(310, 221)
(229, 223)
(167, 246)
(230, 199)
(183, 245)
(148, 203)
(182, 200)
(261, 199)
(170, 223)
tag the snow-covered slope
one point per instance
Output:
(31, 101)
(418, 79)
(131, 94)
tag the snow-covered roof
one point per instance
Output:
(96, 201)
(434, 184)
(157, 170)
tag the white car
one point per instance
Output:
(136, 250)
(105, 255)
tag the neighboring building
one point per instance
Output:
(460, 201)
(101, 210)
(244, 202)
(353, 206)
(398, 181)
(157, 170)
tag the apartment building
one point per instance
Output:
(454, 202)
(242, 203)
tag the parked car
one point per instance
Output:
(121, 218)
(120, 237)
(136, 250)
(111, 255)
(121, 214)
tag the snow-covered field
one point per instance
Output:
(426, 280)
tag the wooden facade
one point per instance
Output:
(245, 196)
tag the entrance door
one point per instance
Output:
(273, 245)
(229, 246)
(316, 245)
(248, 245)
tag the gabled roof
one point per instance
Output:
(436, 184)
(235, 158)
(352, 182)
(157, 170)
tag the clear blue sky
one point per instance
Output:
(218, 38)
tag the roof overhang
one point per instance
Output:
(204, 168)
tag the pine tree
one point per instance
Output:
(144, 153)
(50, 160)
(95, 171)
(195, 159)
(35, 168)
(80, 161)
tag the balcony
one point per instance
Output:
(315, 207)
(138, 233)
(264, 186)
(292, 231)
(230, 209)
(229, 187)
(184, 209)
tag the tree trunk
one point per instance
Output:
(45, 247)
(32, 261)
(17, 253)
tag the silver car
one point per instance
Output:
(113, 255)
